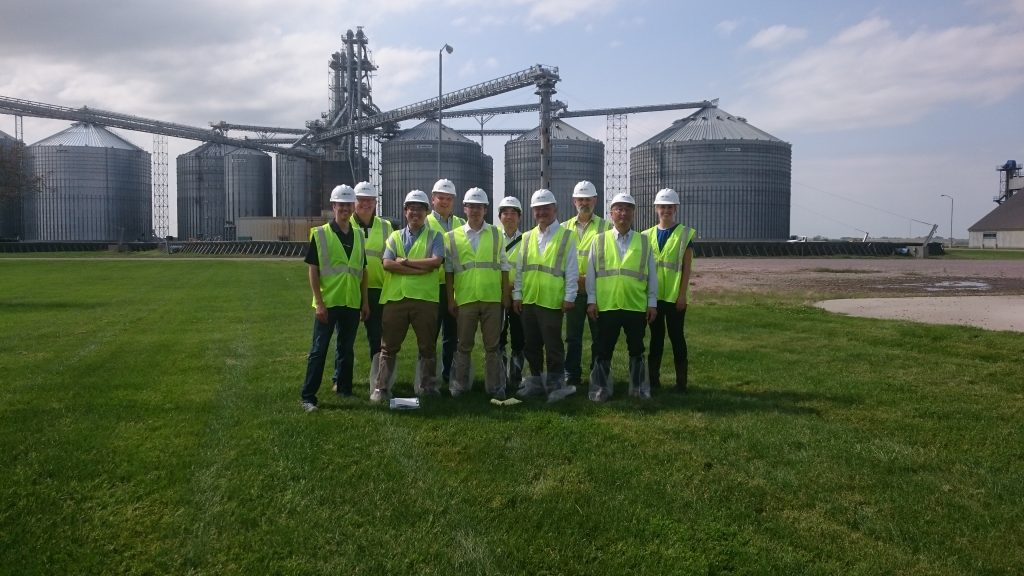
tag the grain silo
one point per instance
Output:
(409, 162)
(248, 187)
(14, 175)
(330, 173)
(733, 179)
(575, 156)
(94, 186)
(201, 193)
(298, 186)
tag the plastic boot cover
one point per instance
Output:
(638, 383)
(514, 370)
(531, 387)
(560, 393)
(600, 383)
(424, 386)
(375, 368)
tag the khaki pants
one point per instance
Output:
(488, 316)
(396, 320)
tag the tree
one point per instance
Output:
(16, 177)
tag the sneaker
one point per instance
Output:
(379, 396)
(309, 407)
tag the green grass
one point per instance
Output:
(986, 254)
(150, 423)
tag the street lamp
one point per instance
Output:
(950, 218)
(446, 48)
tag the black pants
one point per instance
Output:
(372, 325)
(344, 322)
(448, 329)
(511, 324)
(609, 323)
(671, 319)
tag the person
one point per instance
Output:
(510, 210)
(411, 258)
(375, 232)
(622, 293)
(337, 278)
(586, 226)
(441, 220)
(544, 288)
(476, 271)
(673, 255)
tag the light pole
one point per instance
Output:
(950, 218)
(446, 48)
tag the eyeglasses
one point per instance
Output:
(620, 209)
(415, 208)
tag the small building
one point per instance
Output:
(1002, 227)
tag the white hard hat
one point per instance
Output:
(417, 196)
(542, 197)
(510, 202)
(365, 190)
(584, 189)
(475, 196)
(343, 193)
(444, 186)
(622, 198)
(666, 196)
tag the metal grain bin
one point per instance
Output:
(575, 156)
(330, 173)
(14, 172)
(201, 192)
(409, 162)
(733, 179)
(248, 187)
(298, 186)
(95, 186)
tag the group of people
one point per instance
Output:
(442, 274)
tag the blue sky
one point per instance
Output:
(888, 105)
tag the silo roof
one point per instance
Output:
(1007, 216)
(711, 124)
(427, 131)
(210, 149)
(89, 135)
(246, 151)
(559, 131)
(5, 136)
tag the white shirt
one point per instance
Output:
(622, 244)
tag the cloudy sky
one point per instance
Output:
(888, 104)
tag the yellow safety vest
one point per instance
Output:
(596, 226)
(340, 274)
(416, 286)
(434, 224)
(621, 283)
(512, 255)
(543, 281)
(669, 261)
(379, 232)
(477, 274)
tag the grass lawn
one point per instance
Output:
(979, 254)
(150, 423)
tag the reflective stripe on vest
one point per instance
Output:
(669, 261)
(586, 239)
(543, 281)
(339, 282)
(435, 224)
(415, 286)
(325, 255)
(477, 273)
(621, 286)
(374, 250)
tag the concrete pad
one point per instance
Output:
(988, 312)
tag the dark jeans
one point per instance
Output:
(542, 328)
(511, 324)
(574, 338)
(447, 326)
(609, 322)
(673, 319)
(372, 325)
(344, 321)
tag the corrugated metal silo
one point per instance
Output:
(409, 162)
(14, 171)
(95, 186)
(733, 179)
(331, 173)
(201, 192)
(575, 156)
(298, 186)
(248, 187)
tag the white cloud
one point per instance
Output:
(775, 37)
(725, 28)
(869, 75)
(406, 67)
(543, 13)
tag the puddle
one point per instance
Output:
(946, 286)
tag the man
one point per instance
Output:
(442, 221)
(673, 256)
(622, 293)
(586, 226)
(337, 278)
(509, 213)
(544, 288)
(375, 232)
(411, 258)
(477, 281)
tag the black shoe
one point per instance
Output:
(679, 388)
